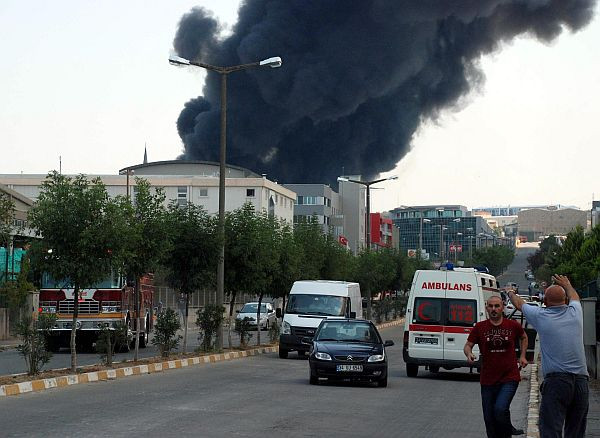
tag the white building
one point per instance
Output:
(183, 181)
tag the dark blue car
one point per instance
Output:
(348, 349)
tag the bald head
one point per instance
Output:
(555, 295)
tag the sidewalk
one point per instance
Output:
(593, 419)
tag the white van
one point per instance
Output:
(311, 301)
(443, 306)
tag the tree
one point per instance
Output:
(146, 241)
(7, 212)
(82, 235)
(375, 272)
(495, 258)
(191, 260)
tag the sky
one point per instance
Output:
(88, 85)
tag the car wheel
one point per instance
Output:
(382, 383)
(283, 353)
(267, 326)
(301, 353)
(412, 370)
(434, 369)
(313, 380)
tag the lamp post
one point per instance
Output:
(223, 71)
(368, 185)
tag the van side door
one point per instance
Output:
(426, 328)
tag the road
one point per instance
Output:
(11, 361)
(261, 396)
(516, 271)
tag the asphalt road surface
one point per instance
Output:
(261, 396)
(516, 271)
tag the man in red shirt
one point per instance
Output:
(500, 376)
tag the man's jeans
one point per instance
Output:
(495, 401)
(565, 400)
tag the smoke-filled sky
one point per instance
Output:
(489, 103)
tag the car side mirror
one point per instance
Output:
(353, 315)
(388, 343)
(278, 313)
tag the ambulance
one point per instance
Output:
(443, 306)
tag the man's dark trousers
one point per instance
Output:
(565, 399)
(495, 401)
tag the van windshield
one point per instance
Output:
(326, 305)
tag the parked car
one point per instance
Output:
(348, 349)
(267, 314)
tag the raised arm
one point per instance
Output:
(564, 282)
(517, 301)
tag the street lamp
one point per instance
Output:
(223, 71)
(368, 185)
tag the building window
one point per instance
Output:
(203, 192)
(250, 193)
(182, 196)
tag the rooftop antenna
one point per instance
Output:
(145, 154)
(60, 164)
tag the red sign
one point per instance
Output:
(455, 248)
(445, 286)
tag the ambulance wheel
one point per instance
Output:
(412, 370)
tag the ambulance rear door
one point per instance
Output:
(461, 307)
(426, 329)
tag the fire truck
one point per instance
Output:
(108, 303)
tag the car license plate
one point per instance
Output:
(358, 368)
(431, 341)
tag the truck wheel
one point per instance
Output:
(144, 336)
(143, 340)
(412, 370)
(283, 353)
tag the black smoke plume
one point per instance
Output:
(358, 76)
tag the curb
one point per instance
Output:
(390, 324)
(117, 373)
(533, 413)
(112, 374)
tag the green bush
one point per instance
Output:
(34, 347)
(165, 332)
(109, 339)
(242, 328)
(208, 322)
(274, 331)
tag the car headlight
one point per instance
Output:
(376, 358)
(286, 329)
(322, 356)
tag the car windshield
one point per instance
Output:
(343, 331)
(253, 307)
(326, 305)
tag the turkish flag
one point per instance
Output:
(343, 241)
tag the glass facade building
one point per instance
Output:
(443, 232)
